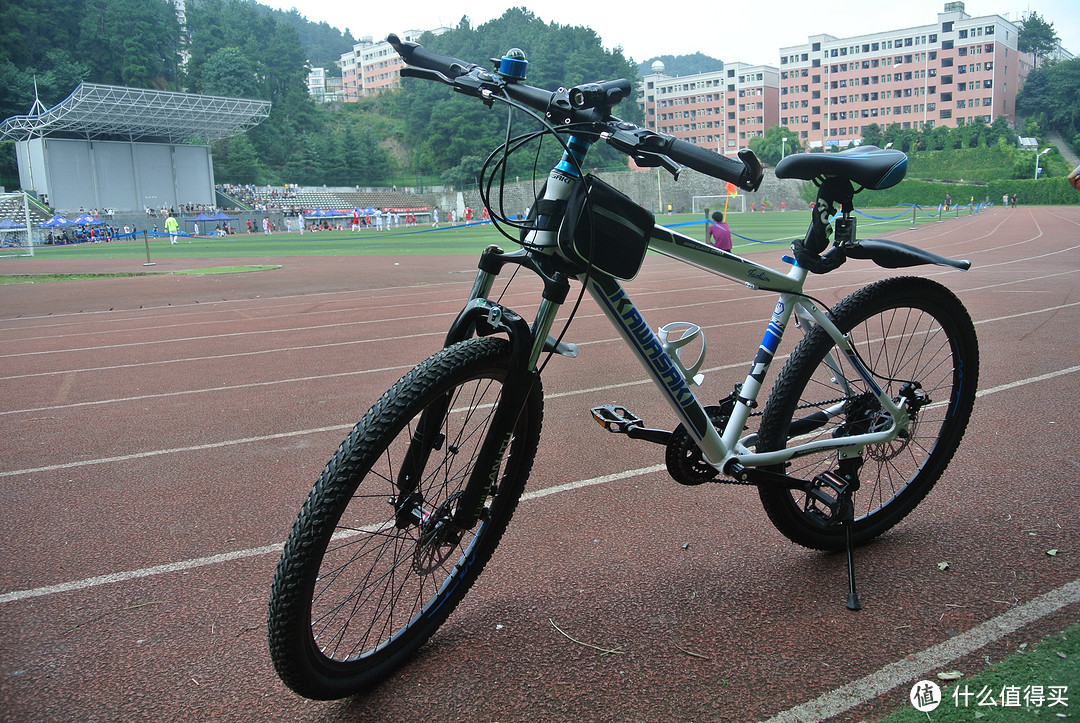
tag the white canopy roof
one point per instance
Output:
(114, 112)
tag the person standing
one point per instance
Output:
(172, 227)
(266, 225)
(1074, 178)
(717, 232)
(435, 217)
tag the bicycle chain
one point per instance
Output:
(811, 405)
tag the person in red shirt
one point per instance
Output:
(717, 232)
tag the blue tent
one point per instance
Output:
(85, 219)
(56, 221)
(219, 216)
(7, 223)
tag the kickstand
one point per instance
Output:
(847, 520)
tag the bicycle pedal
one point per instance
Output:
(615, 418)
(824, 497)
(619, 420)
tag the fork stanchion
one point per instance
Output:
(914, 206)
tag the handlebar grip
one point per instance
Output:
(745, 173)
(419, 56)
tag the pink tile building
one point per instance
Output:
(955, 71)
(372, 67)
(720, 110)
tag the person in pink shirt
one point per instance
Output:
(717, 232)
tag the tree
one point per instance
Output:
(240, 163)
(130, 42)
(1036, 36)
(230, 72)
(1054, 90)
(465, 173)
(873, 136)
(771, 145)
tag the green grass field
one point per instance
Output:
(1017, 688)
(751, 231)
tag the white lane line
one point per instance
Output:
(208, 390)
(182, 565)
(924, 662)
(176, 450)
(319, 430)
(144, 572)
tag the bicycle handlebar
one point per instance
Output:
(589, 103)
(419, 56)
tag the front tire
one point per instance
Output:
(364, 580)
(905, 330)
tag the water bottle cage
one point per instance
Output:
(673, 347)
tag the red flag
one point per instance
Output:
(731, 189)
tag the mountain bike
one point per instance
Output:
(860, 423)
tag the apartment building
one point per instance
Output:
(719, 110)
(372, 67)
(955, 71)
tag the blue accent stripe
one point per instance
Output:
(771, 340)
(578, 148)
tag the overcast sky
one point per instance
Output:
(748, 32)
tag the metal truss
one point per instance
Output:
(112, 112)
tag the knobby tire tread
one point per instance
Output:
(863, 304)
(289, 634)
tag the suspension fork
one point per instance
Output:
(484, 317)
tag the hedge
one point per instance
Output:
(1042, 192)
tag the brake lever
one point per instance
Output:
(652, 160)
(412, 71)
(630, 143)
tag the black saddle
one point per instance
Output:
(868, 166)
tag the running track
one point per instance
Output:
(158, 435)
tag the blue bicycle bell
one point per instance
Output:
(513, 65)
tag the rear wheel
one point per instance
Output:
(920, 344)
(370, 571)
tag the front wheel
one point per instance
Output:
(918, 341)
(376, 562)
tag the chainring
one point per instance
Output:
(685, 461)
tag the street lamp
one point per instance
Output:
(1040, 153)
(783, 147)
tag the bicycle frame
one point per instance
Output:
(721, 449)
(724, 450)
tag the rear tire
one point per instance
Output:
(361, 586)
(904, 329)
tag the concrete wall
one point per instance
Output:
(127, 177)
(649, 189)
